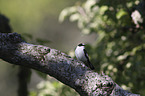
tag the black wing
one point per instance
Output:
(88, 61)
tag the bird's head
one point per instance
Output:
(81, 44)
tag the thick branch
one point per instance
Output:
(59, 65)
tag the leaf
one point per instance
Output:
(135, 49)
(88, 5)
(42, 41)
(103, 9)
(120, 14)
(74, 17)
(67, 12)
(122, 57)
(27, 35)
(32, 93)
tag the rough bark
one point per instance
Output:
(59, 65)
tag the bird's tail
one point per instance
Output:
(90, 65)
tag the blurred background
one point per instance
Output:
(113, 33)
(40, 20)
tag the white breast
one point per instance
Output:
(79, 52)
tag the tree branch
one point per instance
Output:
(59, 65)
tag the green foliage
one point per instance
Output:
(55, 88)
(119, 49)
(30, 38)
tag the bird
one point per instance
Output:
(82, 55)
